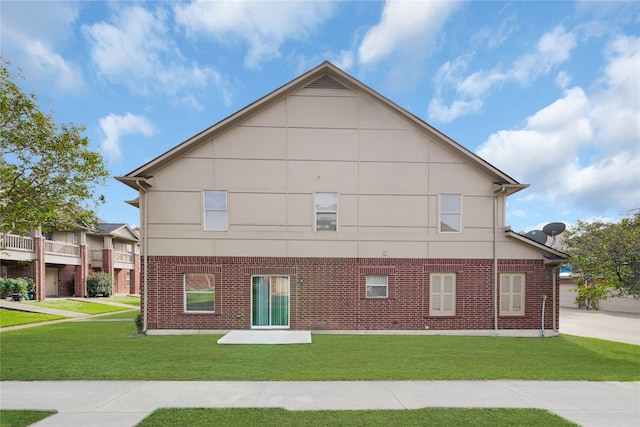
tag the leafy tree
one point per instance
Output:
(605, 257)
(48, 173)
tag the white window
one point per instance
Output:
(377, 286)
(326, 211)
(215, 210)
(442, 294)
(74, 238)
(199, 292)
(450, 213)
(128, 280)
(512, 294)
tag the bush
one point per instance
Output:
(23, 286)
(99, 284)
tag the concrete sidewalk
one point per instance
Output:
(126, 403)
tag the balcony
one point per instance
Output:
(16, 248)
(61, 253)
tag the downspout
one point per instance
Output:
(145, 217)
(554, 285)
(544, 300)
(495, 257)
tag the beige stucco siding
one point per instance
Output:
(387, 171)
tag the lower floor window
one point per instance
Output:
(442, 294)
(377, 286)
(512, 294)
(199, 292)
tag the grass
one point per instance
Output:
(132, 314)
(103, 351)
(77, 306)
(15, 317)
(22, 418)
(125, 300)
(266, 417)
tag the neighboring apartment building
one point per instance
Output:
(324, 205)
(59, 261)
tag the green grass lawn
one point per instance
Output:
(124, 300)
(103, 351)
(15, 317)
(121, 315)
(266, 417)
(76, 306)
(22, 418)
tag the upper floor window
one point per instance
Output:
(377, 286)
(512, 294)
(74, 238)
(215, 210)
(450, 213)
(326, 211)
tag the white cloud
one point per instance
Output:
(552, 49)
(115, 127)
(582, 149)
(444, 113)
(405, 26)
(34, 38)
(136, 50)
(263, 25)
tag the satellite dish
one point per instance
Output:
(553, 229)
(538, 236)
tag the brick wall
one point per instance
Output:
(329, 293)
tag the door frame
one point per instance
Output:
(270, 326)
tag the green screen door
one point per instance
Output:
(270, 301)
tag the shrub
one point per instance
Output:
(139, 323)
(23, 286)
(99, 283)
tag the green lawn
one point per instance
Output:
(121, 315)
(125, 300)
(266, 417)
(103, 351)
(76, 306)
(22, 418)
(15, 317)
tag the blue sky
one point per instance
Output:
(549, 92)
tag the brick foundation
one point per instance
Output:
(329, 293)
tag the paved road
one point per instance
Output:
(126, 403)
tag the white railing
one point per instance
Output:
(122, 257)
(61, 248)
(11, 241)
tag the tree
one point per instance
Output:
(605, 257)
(48, 173)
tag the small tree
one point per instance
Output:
(99, 283)
(605, 258)
(48, 173)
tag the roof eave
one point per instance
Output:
(555, 257)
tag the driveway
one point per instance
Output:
(606, 325)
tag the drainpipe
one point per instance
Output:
(554, 285)
(145, 248)
(544, 299)
(495, 257)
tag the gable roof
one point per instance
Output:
(325, 75)
(121, 230)
(553, 256)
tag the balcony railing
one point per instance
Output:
(60, 248)
(122, 257)
(21, 243)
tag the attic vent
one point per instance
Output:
(325, 82)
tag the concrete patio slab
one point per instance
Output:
(266, 337)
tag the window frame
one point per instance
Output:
(185, 292)
(205, 210)
(376, 285)
(442, 212)
(510, 294)
(127, 280)
(441, 295)
(316, 211)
